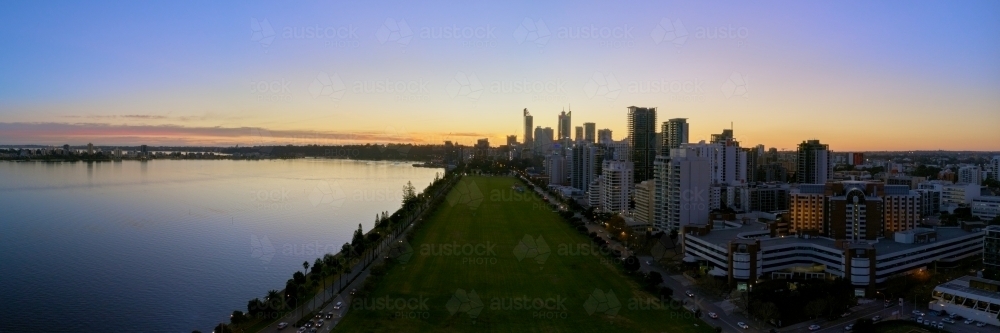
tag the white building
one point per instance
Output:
(583, 159)
(970, 175)
(616, 186)
(555, 168)
(644, 192)
(970, 297)
(995, 167)
(594, 193)
(688, 183)
(953, 195)
(986, 208)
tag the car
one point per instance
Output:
(648, 262)
(282, 325)
(689, 293)
(969, 321)
(920, 320)
(301, 330)
(933, 323)
(848, 313)
(849, 327)
(319, 316)
(876, 318)
(953, 315)
(338, 305)
(329, 315)
(813, 327)
(312, 330)
(917, 313)
(354, 291)
(980, 324)
(948, 320)
(713, 315)
(940, 326)
(743, 325)
(308, 324)
(319, 323)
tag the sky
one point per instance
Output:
(857, 75)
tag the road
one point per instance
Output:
(356, 281)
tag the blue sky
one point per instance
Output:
(857, 75)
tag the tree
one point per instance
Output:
(305, 266)
(766, 311)
(299, 278)
(409, 193)
(815, 308)
(631, 264)
(238, 317)
(653, 279)
(864, 325)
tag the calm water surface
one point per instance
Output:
(173, 246)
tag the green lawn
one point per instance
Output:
(474, 243)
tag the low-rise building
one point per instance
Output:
(747, 253)
(986, 208)
(970, 297)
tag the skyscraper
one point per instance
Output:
(684, 183)
(814, 165)
(512, 140)
(642, 141)
(604, 136)
(583, 159)
(543, 140)
(565, 125)
(528, 127)
(579, 134)
(616, 182)
(589, 129)
(675, 133)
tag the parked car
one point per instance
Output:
(917, 313)
(980, 324)
(282, 325)
(849, 327)
(940, 326)
(969, 321)
(876, 318)
(813, 327)
(689, 293)
(713, 315)
(354, 291)
(743, 325)
(948, 320)
(920, 320)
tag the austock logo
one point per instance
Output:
(465, 86)
(601, 85)
(400, 307)
(472, 254)
(532, 31)
(325, 193)
(465, 302)
(401, 252)
(466, 193)
(736, 85)
(532, 248)
(261, 248)
(540, 307)
(394, 31)
(328, 86)
(602, 302)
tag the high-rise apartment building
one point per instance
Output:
(555, 168)
(565, 125)
(644, 203)
(583, 159)
(970, 175)
(642, 140)
(579, 134)
(512, 140)
(529, 127)
(991, 249)
(543, 140)
(604, 136)
(675, 133)
(995, 167)
(589, 132)
(616, 183)
(814, 165)
(687, 182)
(853, 210)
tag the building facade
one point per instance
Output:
(616, 185)
(814, 163)
(642, 140)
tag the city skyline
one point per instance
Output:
(268, 74)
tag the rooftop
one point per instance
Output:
(884, 246)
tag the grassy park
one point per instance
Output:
(494, 257)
